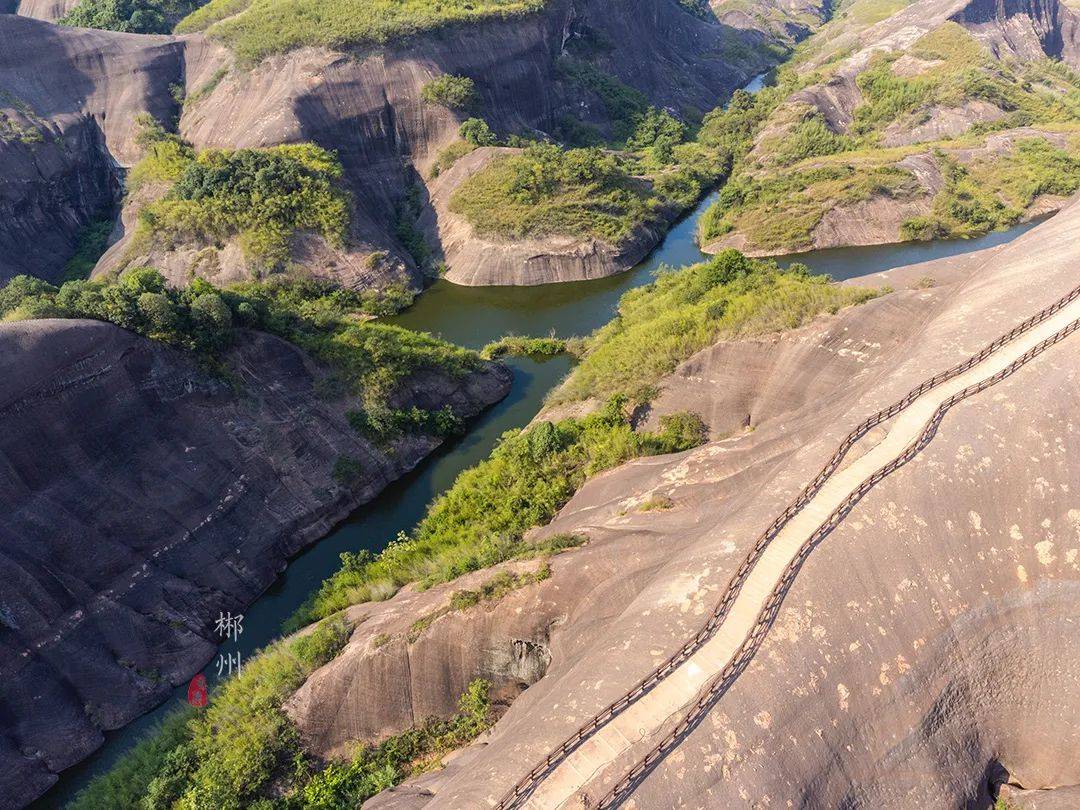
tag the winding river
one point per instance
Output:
(473, 316)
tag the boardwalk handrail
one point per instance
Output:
(769, 611)
(529, 782)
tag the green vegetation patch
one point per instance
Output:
(994, 192)
(367, 359)
(255, 29)
(683, 311)
(132, 16)
(446, 158)
(222, 756)
(779, 212)
(546, 190)
(261, 196)
(482, 519)
(519, 346)
(453, 92)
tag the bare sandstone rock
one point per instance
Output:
(926, 652)
(142, 496)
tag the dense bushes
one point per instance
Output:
(683, 311)
(454, 92)
(482, 519)
(994, 192)
(257, 28)
(545, 190)
(133, 16)
(369, 360)
(262, 196)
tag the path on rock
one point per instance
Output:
(690, 688)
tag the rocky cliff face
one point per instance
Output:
(923, 655)
(141, 498)
(48, 10)
(367, 105)
(82, 90)
(55, 183)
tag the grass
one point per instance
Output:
(482, 519)
(125, 784)
(449, 156)
(255, 29)
(493, 590)
(657, 503)
(518, 346)
(221, 756)
(545, 190)
(683, 311)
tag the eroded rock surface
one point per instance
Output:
(477, 260)
(365, 105)
(925, 654)
(141, 497)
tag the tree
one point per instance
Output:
(158, 312)
(454, 92)
(477, 132)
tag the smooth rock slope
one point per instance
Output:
(141, 497)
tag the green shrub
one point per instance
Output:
(546, 190)
(516, 346)
(262, 196)
(257, 28)
(683, 311)
(476, 131)
(132, 16)
(482, 519)
(657, 133)
(810, 138)
(454, 92)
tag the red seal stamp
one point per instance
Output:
(196, 691)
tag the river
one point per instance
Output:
(473, 316)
